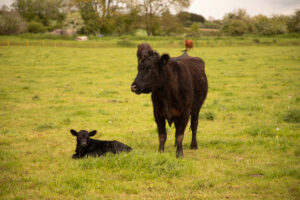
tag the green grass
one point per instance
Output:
(248, 132)
(126, 41)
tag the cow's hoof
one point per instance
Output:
(161, 150)
(179, 155)
(194, 146)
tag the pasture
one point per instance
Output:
(248, 134)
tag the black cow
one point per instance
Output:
(179, 88)
(88, 147)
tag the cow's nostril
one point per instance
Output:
(133, 88)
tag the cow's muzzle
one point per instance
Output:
(83, 144)
(134, 88)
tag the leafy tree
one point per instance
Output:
(91, 19)
(42, 11)
(197, 18)
(262, 24)
(195, 28)
(153, 8)
(184, 18)
(105, 8)
(170, 23)
(237, 23)
(269, 26)
(279, 24)
(123, 16)
(107, 25)
(294, 22)
(213, 24)
(127, 23)
(107, 16)
(235, 27)
(11, 22)
(187, 18)
(36, 27)
(74, 21)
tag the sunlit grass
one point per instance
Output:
(248, 131)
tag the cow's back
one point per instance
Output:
(196, 68)
(117, 146)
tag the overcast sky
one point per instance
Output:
(217, 8)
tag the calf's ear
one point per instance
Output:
(164, 59)
(74, 132)
(92, 133)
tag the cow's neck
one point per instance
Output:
(80, 150)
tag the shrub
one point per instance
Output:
(294, 22)
(279, 24)
(262, 25)
(237, 23)
(74, 21)
(11, 23)
(214, 24)
(170, 24)
(269, 26)
(36, 27)
(235, 27)
(195, 28)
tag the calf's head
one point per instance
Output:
(83, 137)
(149, 71)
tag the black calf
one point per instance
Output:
(89, 147)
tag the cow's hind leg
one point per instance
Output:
(194, 123)
(194, 126)
(180, 124)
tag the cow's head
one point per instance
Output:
(149, 71)
(83, 137)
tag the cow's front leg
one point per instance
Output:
(179, 150)
(162, 134)
(180, 124)
(75, 156)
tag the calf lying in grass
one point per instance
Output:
(89, 147)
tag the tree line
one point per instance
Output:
(240, 23)
(119, 17)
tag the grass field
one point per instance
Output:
(44, 40)
(248, 136)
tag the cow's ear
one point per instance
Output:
(164, 59)
(92, 133)
(73, 132)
